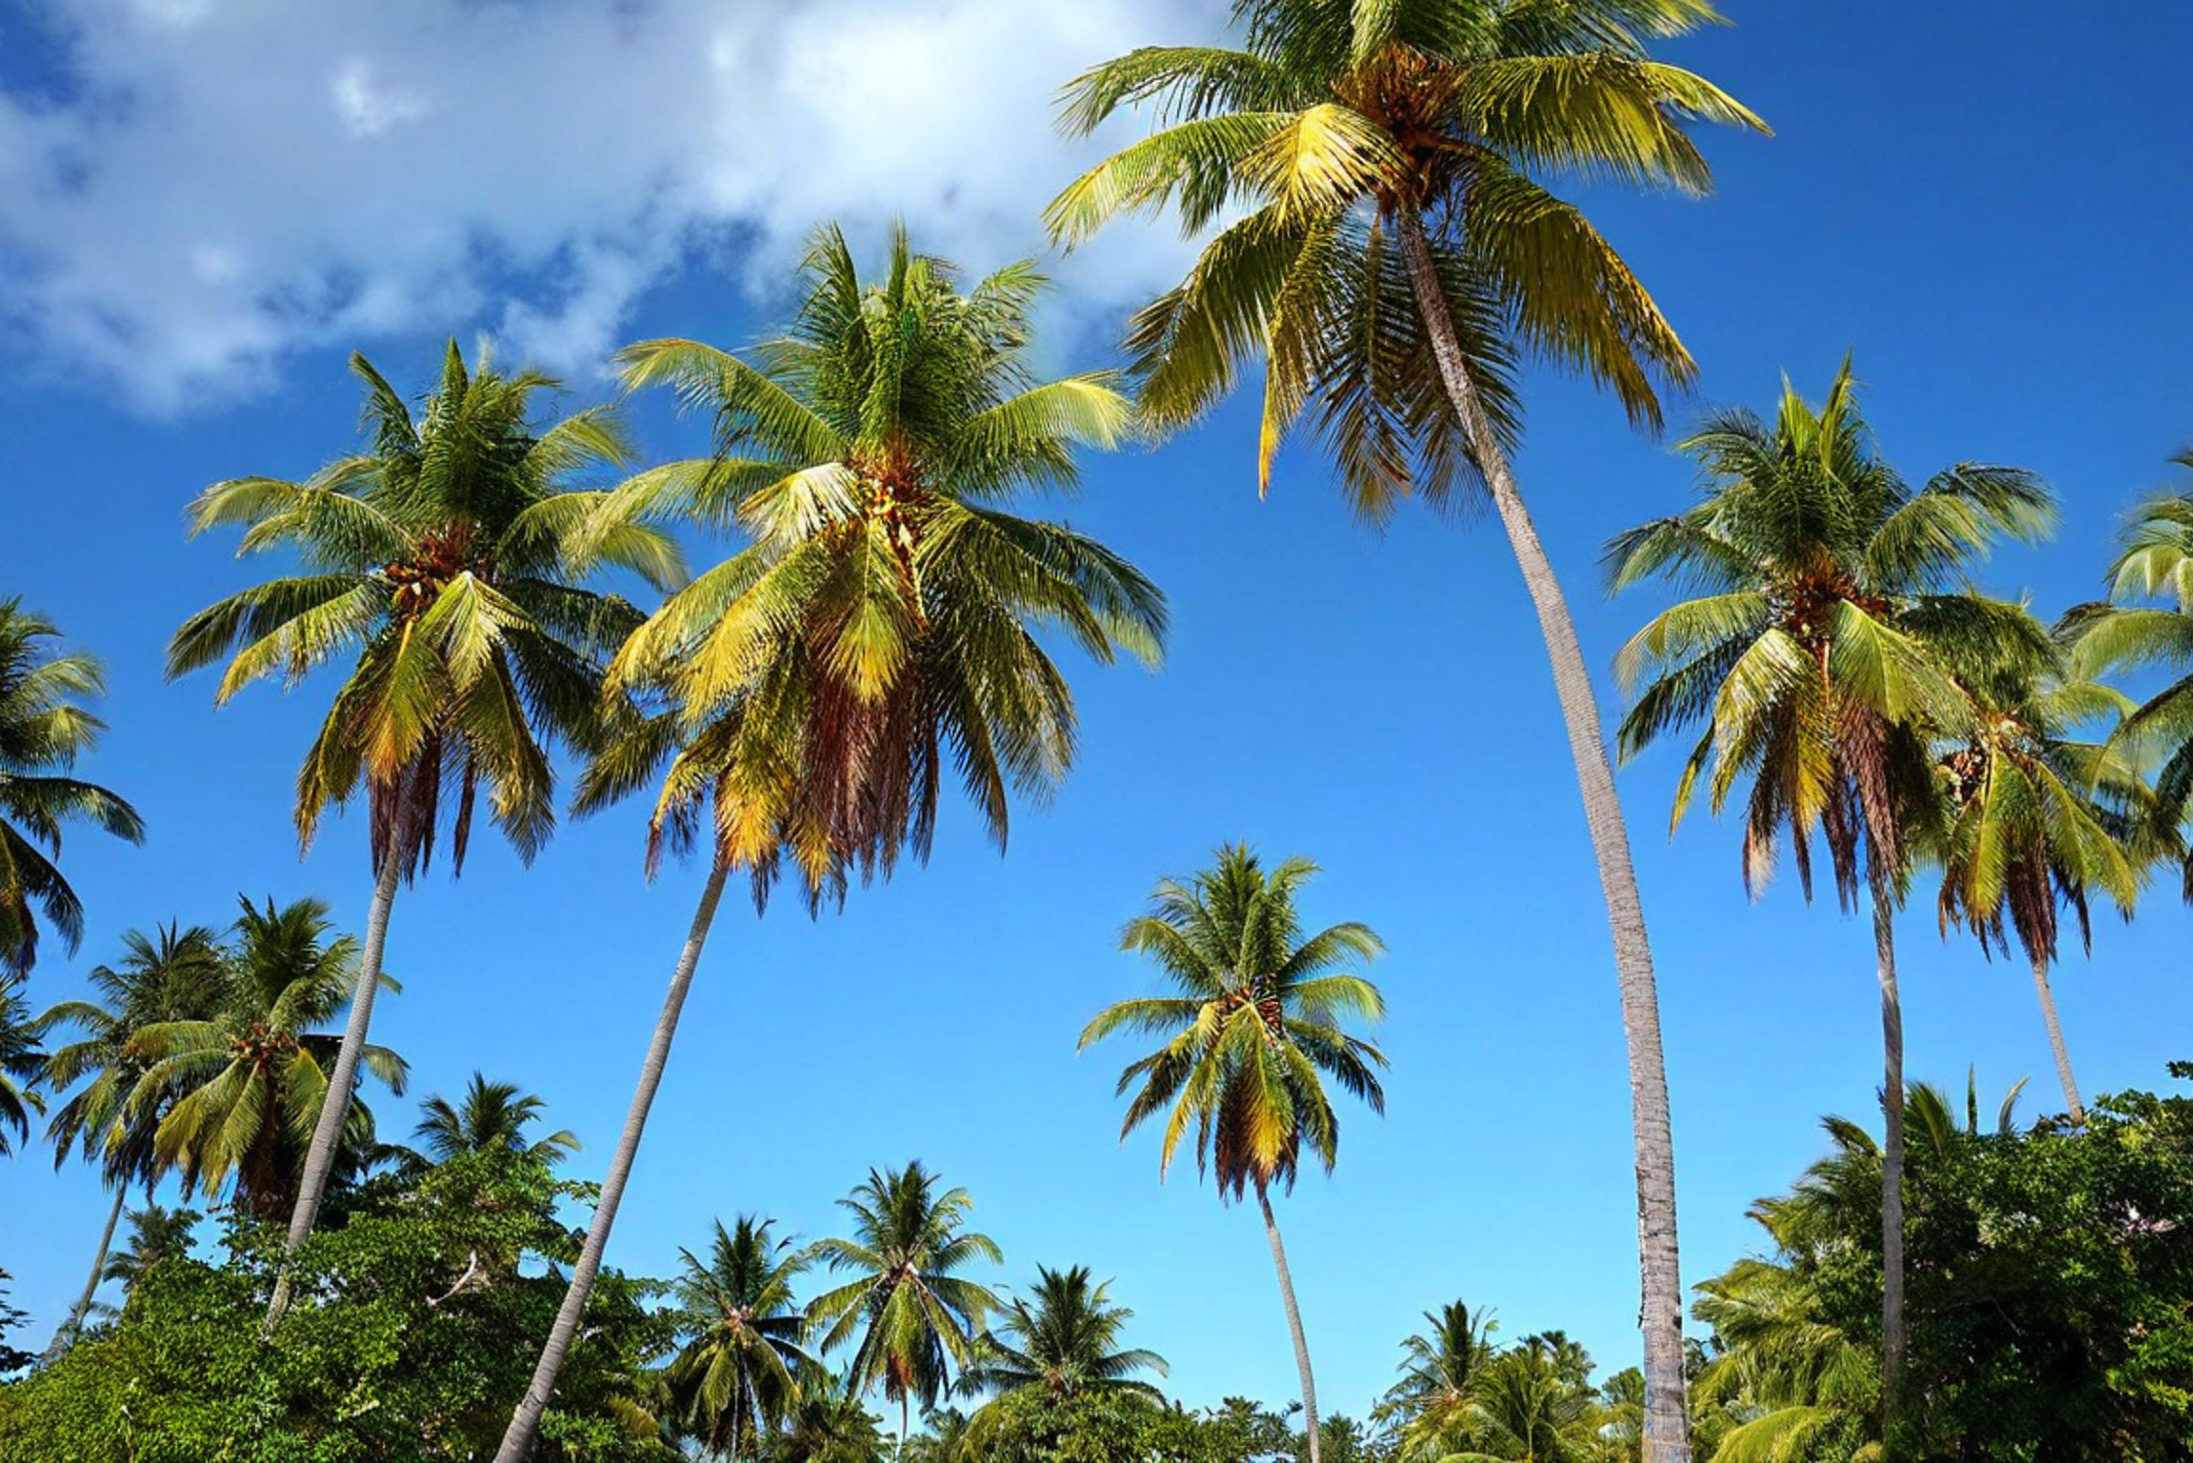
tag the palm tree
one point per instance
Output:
(1442, 1374)
(156, 1236)
(2149, 623)
(441, 556)
(738, 1378)
(1390, 255)
(1536, 1404)
(2038, 820)
(829, 1422)
(42, 732)
(22, 1061)
(1256, 1028)
(1786, 1383)
(814, 689)
(255, 1074)
(910, 1316)
(492, 1117)
(1063, 1344)
(1821, 660)
(175, 974)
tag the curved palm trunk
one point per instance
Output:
(66, 1336)
(2056, 1041)
(1892, 1160)
(1294, 1323)
(327, 1132)
(1667, 1423)
(518, 1437)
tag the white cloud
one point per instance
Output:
(222, 182)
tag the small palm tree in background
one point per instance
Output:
(245, 1085)
(1822, 659)
(1250, 1039)
(812, 694)
(1442, 1374)
(830, 1423)
(441, 560)
(908, 1313)
(1061, 1342)
(492, 1117)
(43, 731)
(22, 1062)
(1385, 248)
(737, 1380)
(156, 1236)
(176, 974)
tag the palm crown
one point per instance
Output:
(1257, 1026)
(882, 624)
(1337, 126)
(22, 1062)
(491, 1117)
(43, 730)
(739, 1375)
(1062, 1341)
(442, 557)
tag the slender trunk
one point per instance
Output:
(1892, 1159)
(518, 1437)
(906, 1422)
(1294, 1323)
(327, 1133)
(66, 1336)
(2056, 1040)
(1660, 1315)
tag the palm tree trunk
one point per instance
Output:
(327, 1133)
(66, 1336)
(1892, 1156)
(518, 1437)
(2056, 1040)
(906, 1423)
(1294, 1322)
(1667, 1422)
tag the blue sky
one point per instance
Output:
(1982, 200)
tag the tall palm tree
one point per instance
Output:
(2038, 820)
(1442, 1376)
(738, 1378)
(1254, 1032)
(1820, 659)
(813, 693)
(441, 558)
(254, 1076)
(175, 974)
(1062, 1342)
(2149, 624)
(1390, 255)
(42, 733)
(910, 1317)
(491, 1117)
(22, 1062)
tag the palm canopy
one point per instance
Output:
(22, 1062)
(1063, 1341)
(254, 1074)
(2150, 625)
(737, 1379)
(174, 974)
(43, 731)
(442, 558)
(491, 1117)
(1442, 1376)
(1834, 616)
(156, 1235)
(882, 628)
(909, 1314)
(1257, 1026)
(1337, 124)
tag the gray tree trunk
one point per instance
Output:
(1660, 1317)
(2056, 1041)
(327, 1133)
(1294, 1323)
(66, 1336)
(1892, 1158)
(518, 1437)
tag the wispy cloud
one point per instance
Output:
(205, 186)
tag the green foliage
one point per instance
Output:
(737, 1379)
(12, 1358)
(1062, 1341)
(22, 1062)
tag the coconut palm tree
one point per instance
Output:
(22, 1062)
(156, 1236)
(253, 1077)
(830, 1423)
(43, 731)
(1385, 247)
(1536, 1404)
(1821, 659)
(1442, 1374)
(737, 1379)
(1249, 1040)
(909, 1315)
(812, 694)
(492, 1117)
(174, 974)
(440, 559)
(2039, 820)
(1062, 1342)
